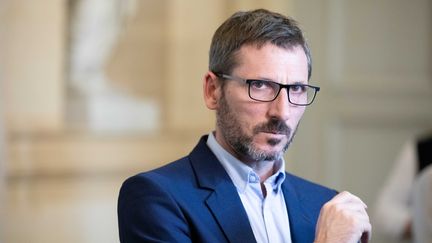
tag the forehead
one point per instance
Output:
(273, 62)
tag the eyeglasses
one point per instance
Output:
(267, 91)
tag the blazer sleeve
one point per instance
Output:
(148, 213)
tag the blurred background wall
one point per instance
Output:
(93, 91)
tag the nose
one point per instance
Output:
(281, 108)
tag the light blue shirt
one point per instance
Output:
(268, 216)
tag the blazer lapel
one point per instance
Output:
(230, 214)
(302, 228)
(223, 202)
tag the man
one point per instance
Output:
(233, 187)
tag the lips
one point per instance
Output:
(276, 132)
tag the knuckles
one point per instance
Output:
(342, 214)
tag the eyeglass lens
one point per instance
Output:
(267, 91)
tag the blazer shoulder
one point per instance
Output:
(163, 178)
(149, 196)
(310, 191)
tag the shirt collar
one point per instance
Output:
(278, 178)
(239, 172)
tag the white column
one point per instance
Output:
(96, 27)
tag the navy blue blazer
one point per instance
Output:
(194, 200)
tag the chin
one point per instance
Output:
(271, 156)
(267, 153)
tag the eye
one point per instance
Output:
(298, 88)
(259, 84)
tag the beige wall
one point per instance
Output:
(138, 62)
(33, 68)
(2, 129)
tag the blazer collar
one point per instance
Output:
(302, 228)
(226, 206)
(223, 202)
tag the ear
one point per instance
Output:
(212, 90)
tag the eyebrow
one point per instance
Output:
(300, 82)
(271, 80)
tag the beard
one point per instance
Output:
(242, 143)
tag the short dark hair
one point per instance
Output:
(256, 27)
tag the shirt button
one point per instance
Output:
(253, 178)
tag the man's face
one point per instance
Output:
(253, 130)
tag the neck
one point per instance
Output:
(264, 169)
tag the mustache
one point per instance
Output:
(273, 126)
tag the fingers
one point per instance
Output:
(347, 203)
(346, 197)
(343, 219)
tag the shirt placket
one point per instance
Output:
(269, 220)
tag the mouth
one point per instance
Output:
(280, 133)
(274, 138)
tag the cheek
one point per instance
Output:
(297, 114)
(249, 115)
(300, 110)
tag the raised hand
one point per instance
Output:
(343, 220)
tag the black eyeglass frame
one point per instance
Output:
(281, 86)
